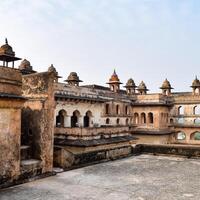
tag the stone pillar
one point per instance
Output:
(67, 121)
(80, 121)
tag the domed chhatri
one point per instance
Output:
(195, 83)
(130, 86)
(53, 70)
(7, 49)
(114, 82)
(73, 79)
(114, 78)
(25, 65)
(196, 86)
(166, 87)
(142, 88)
(7, 54)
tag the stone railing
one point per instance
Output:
(94, 133)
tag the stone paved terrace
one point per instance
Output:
(144, 177)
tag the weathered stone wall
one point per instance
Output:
(153, 139)
(10, 128)
(10, 124)
(38, 115)
(10, 81)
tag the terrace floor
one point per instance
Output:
(144, 177)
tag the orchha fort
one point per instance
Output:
(47, 124)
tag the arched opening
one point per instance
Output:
(150, 118)
(117, 121)
(117, 109)
(197, 121)
(107, 109)
(74, 118)
(136, 118)
(127, 121)
(195, 136)
(180, 136)
(60, 118)
(180, 110)
(107, 121)
(126, 110)
(196, 110)
(143, 118)
(87, 119)
(171, 121)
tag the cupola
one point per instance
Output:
(130, 86)
(142, 88)
(166, 87)
(114, 82)
(73, 79)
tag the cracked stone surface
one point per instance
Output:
(144, 177)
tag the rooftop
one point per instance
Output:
(144, 177)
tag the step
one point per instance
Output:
(25, 152)
(30, 164)
(31, 168)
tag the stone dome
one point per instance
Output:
(196, 83)
(166, 85)
(7, 49)
(73, 77)
(114, 78)
(52, 69)
(142, 86)
(25, 65)
(130, 83)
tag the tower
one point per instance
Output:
(166, 88)
(142, 88)
(73, 79)
(7, 54)
(114, 82)
(196, 86)
(130, 86)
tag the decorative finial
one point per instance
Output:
(114, 72)
(196, 77)
(6, 41)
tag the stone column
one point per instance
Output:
(80, 121)
(67, 121)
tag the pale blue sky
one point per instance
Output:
(144, 39)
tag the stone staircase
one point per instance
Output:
(29, 166)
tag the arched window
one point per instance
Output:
(196, 110)
(107, 121)
(60, 118)
(181, 136)
(117, 121)
(197, 121)
(136, 118)
(107, 109)
(171, 121)
(126, 110)
(127, 121)
(117, 109)
(75, 118)
(180, 110)
(87, 119)
(150, 118)
(195, 136)
(143, 118)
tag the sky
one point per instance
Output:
(147, 40)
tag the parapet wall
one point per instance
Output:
(10, 81)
